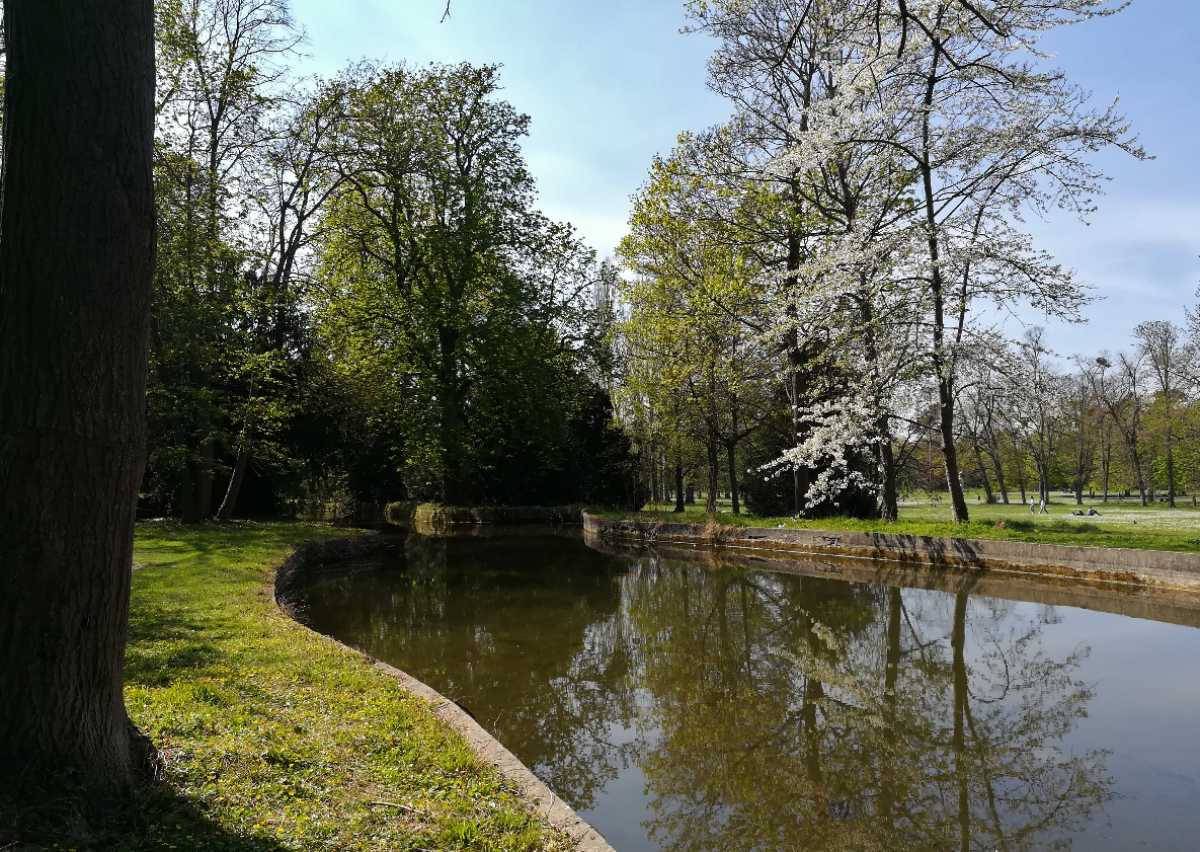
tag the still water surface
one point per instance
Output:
(679, 704)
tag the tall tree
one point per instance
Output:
(1040, 399)
(435, 260)
(76, 260)
(1161, 343)
(299, 178)
(693, 323)
(987, 135)
(220, 86)
(1120, 389)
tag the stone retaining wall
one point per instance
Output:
(1140, 568)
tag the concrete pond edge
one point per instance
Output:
(314, 560)
(1143, 569)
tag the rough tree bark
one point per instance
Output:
(76, 260)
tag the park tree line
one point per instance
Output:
(356, 298)
(342, 289)
(810, 289)
(1102, 426)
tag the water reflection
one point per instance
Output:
(681, 705)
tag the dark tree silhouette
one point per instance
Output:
(76, 257)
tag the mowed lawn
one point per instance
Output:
(1120, 523)
(275, 738)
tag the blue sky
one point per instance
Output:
(611, 83)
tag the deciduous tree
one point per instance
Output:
(76, 260)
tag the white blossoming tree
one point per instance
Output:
(954, 101)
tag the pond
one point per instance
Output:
(683, 702)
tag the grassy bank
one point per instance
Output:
(275, 738)
(1120, 524)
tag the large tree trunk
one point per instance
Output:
(76, 260)
(679, 506)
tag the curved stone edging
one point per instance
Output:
(1158, 569)
(316, 558)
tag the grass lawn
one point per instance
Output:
(275, 738)
(1121, 524)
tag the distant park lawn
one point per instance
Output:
(1122, 523)
(275, 738)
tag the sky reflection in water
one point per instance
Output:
(679, 704)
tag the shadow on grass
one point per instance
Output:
(157, 818)
(163, 643)
(1057, 525)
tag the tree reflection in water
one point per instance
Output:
(762, 710)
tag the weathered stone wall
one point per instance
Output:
(1109, 565)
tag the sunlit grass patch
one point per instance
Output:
(277, 739)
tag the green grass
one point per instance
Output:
(1121, 524)
(275, 738)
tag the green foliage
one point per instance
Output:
(356, 298)
(468, 308)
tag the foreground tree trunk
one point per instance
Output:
(76, 258)
(679, 507)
